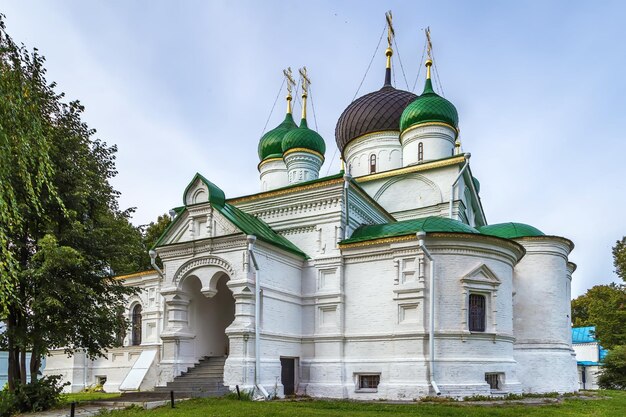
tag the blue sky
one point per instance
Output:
(185, 87)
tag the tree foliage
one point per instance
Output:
(613, 372)
(62, 234)
(619, 258)
(603, 306)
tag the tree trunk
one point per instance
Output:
(14, 362)
(23, 375)
(35, 363)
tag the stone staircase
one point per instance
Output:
(206, 379)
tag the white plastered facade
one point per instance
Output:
(342, 312)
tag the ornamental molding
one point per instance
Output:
(426, 132)
(302, 152)
(189, 266)
(286, 191)
(392, 136)
(431, 127)
(481, 275)
(296, 209)
(191, 248)
(413, 168)
(297, 230)
(414, 176)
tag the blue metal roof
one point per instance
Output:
(588, 363)
(586, 335)
(583, 334)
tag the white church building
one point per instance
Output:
(383, 281)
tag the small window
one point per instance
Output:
(477, 312)
(368, 382)
(372, 164)
(420, 151)
(493, 379)
(136, 326)
(101, 380)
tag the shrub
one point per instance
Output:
(38, 396)
(613, 373)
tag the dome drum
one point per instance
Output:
(303, 165)
(273, 173)
(383, 146)
(427, 142)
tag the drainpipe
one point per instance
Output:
(257, 317)
(346, 184)
(458, 177)
(153, 256)
(431, 319)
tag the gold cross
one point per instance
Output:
(390, 31)
(289, 79)
(305, 80)
(429, 43)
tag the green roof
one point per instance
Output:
(429, 107)
(303, 137)
(245, 222)
(251, 225)
(476, 184)
(270, 145)
(409, 227)
(216, 195)
(510, 230)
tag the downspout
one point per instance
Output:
(346, 184)
(153, 256)
(257, 317)
(458, 177)
(431, 316)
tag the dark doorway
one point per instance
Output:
(136, 326)
(288, 375)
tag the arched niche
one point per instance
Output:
(407, 193)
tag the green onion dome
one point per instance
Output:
(429, 108)
(270, 145)
(510, 230)
(305, 138)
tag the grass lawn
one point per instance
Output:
(613, 405)
(87, 396)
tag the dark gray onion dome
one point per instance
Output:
(373, 112)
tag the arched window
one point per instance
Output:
(136, 326)
(420, 151)
(372, 163)
(477, 312)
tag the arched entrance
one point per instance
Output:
(209, 314)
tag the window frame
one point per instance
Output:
(420, 151)
(373, 163)
(358, 381)
(136, 325)
(477, 322)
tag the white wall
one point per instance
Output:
(384, 145)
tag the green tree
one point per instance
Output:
(151, 235)
(613, 372)
(63, 236)
(619, 258)
(603, 306)
(26, 170)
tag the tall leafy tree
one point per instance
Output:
(62, 234)
(619, 258)
(603, 306)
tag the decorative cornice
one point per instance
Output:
(268, 160)
(303, 150)
(413, 168)
(455, 130)
(285, 191)
(379, 241)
